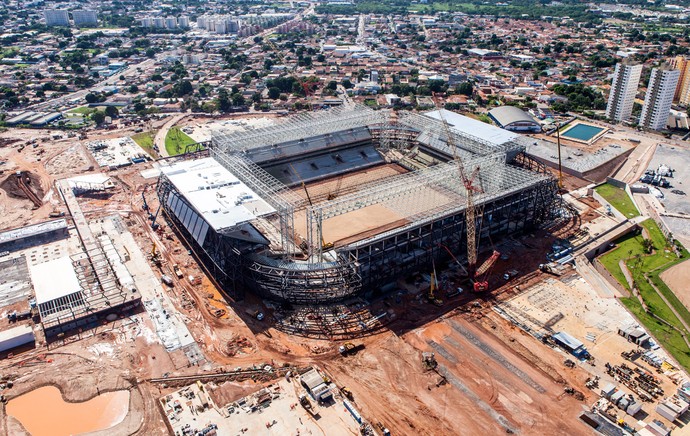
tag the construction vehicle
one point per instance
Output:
(433, 286)
(349, 348)
(510, 274)
(383, 429)
(552, 268)
(429, 361)
(56, 214)
(255, 313)
(155, 256)
(177, 271)
(473, 213)
(348, 393)
(167, 280)
(304, 402)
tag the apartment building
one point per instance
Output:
(626, 78)
(657, 102)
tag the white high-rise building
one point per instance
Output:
(183, 22)
(626, 77)
(171, 23)
(657, 102)
(56, 17)
(85, 17)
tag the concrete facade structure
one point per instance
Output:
(626, 77)
(657, 102)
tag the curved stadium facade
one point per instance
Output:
(326, 205)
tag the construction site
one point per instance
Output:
(347, 271)
(317, 209)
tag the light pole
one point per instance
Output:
(560, 168)
(558, 142)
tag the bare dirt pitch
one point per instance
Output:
(677, 279)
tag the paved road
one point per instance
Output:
(130, 70)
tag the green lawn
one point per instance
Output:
(618, 199)
(84, 110)
(145, 141)
(671, 340)
(643, 265)
(176, 141)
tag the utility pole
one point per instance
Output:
(560, 168)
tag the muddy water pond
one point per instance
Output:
(43, 412)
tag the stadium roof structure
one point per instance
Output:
(505, 116)
(216, 193)
(491, 134)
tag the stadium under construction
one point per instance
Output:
(326, 205)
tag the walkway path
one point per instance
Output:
(159, 139)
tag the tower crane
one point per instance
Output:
(306, 85)
(472, 211)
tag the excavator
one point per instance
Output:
(155, 256)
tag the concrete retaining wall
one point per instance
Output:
(610, 279)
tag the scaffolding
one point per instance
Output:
(279, 196)
(426, 205)
(304, 125)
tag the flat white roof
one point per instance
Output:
(215, 193)
(54, 279)
(16, 332)
(494, 135)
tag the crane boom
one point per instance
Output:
(471, 213)
(470, 210)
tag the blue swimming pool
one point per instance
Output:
(582, 132)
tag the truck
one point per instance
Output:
(510, 274)
(552, 268)
(167, 280)
(255, 313)
(349, 348)
(178, 271)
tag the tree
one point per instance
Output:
(183, 88)
(111, 111)
(98, 117)
(237, 99)
(347, 84)
(91, 97)
(133, 89)
(465, 88)
(223, 100)
(273, 92)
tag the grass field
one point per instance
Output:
(176, 141)
(84, 110)
(642, 266)
(618, 199)
(145, 141)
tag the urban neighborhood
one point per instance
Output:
(344, 217)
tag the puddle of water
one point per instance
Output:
(43, 412)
